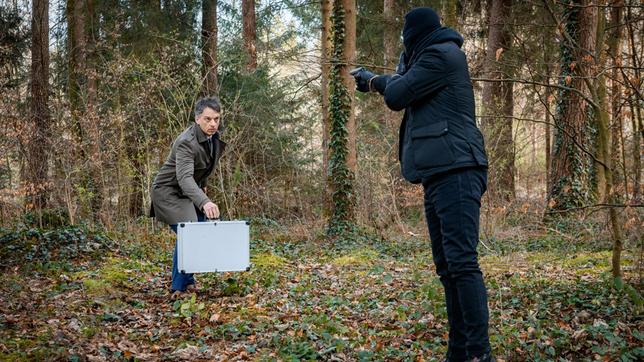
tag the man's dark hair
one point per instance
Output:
(207, 102)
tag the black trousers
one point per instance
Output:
(452, 208)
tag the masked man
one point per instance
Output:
(178, 191)
(442, 148)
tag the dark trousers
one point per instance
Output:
(180, 281)
(452, 204)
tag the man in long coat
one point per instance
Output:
(442, 148)
(178, 192)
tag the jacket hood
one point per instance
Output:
(418, 23)
(438, 36)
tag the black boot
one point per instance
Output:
(483, 358)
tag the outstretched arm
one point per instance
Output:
(426, 76)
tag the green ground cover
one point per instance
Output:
(105, 297)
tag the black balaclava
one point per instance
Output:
(419, 22)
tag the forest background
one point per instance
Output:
(94, 92)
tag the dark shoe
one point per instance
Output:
(191, 288)
(484, 358)
(450, 358)
(176, 294)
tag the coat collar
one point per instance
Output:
(201, 136)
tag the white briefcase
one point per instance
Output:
(213, 246)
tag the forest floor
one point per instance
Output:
(71, 294)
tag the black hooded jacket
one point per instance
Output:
(438, 132)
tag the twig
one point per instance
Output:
(594, 206)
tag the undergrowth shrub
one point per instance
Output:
(26, 244)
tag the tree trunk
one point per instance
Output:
(548, 133)
(209, 47)
(547, 39)
(614, 51)
(94, 141)
(39, 146)
(342, 163)
(390, 40)
(636, 114)
(76, 71)
(570, 181)
(249, 35)
(325, 42)
(498, 100)
(603, 133)
(450, 11)
(348, 80)
(597, 89)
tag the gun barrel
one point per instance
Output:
(355, 71)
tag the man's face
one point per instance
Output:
(208, 120)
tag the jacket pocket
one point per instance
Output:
(431, 146)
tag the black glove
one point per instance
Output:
(402, 64)
(363, 79)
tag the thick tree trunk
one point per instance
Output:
(342, 163)
(39, 146)
(76, 69)
(498, 100)
(209, 47)
(570, 181)
(325, 46)
(249, 34)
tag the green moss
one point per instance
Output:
(89, 332)
(269, 261)
(96, 287)
(115, 273)
(364, 256)
(599, 261)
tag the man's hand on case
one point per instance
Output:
(211, 210)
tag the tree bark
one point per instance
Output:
(636, 114)
(450, 11)
(76, 69)
(39, 146)
(249, 34)
(604, 134)
(347, 79)
(571, 179)
(614, 51)
(209, 47)
(325, 46)
(342, 163)
(498, 100)
(548, 59)
(390, 43)
(91, 115)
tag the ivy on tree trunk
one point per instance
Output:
(341, 176)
